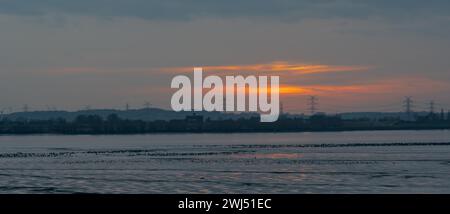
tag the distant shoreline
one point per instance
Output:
(113, 124)
(216, 132)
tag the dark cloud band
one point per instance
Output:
(188, 9)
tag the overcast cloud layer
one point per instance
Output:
(187, 9)
(105, 53)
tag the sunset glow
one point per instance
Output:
(277, 67)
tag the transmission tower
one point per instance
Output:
(432, 107)
(25, 108)
(312, 105)
(147, 105)
(51, 108)
(281, 108)
(408, 105)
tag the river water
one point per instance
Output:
(320, 162)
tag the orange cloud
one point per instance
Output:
(402, 85)
(399, 86)
(316, 89)
(273, 67)
(283, 69)
(283, 89)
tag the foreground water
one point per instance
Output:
(328, 162)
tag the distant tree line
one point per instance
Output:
(112, 124)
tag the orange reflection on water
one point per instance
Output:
(270, 155)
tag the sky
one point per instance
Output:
(353, 55)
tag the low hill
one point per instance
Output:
(147, 114)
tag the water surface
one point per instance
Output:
(321, 162)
